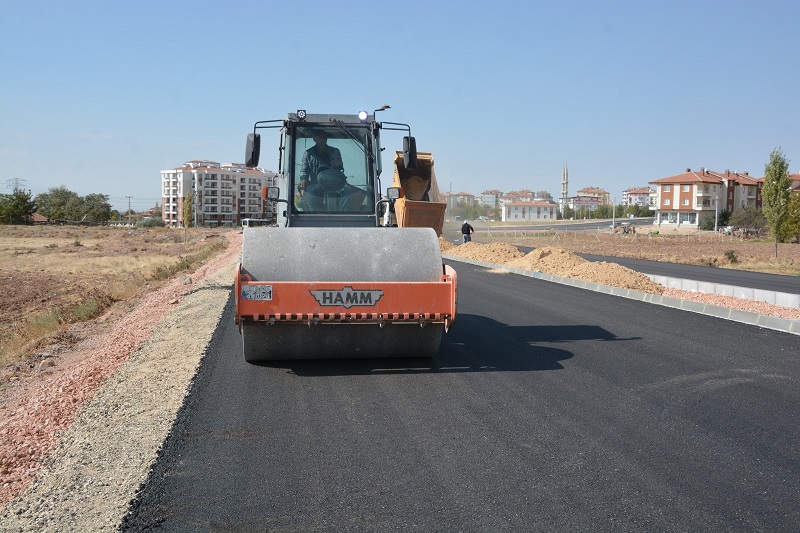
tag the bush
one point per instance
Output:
(730, 255)
(707, 224)
(150, 223)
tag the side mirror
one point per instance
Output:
(393, 193)
(253, 150)
(410, 153)
(273, 193)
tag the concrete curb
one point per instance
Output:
(783, 299)
(770, 322)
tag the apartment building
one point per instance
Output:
(453, 200)
(224, 194)
(601, 196)
(491, 198)
(689, 198)
(518, 211)
(641, 196)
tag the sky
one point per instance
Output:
(101, 96)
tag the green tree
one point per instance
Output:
(775, 193)
(602, 211)
(791, 228)
(187, 214)
(568, 213)
(75, 209)
(17, 207)
(96, 208)
(53, 203)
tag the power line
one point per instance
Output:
(15, 183)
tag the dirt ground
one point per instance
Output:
(52, 276)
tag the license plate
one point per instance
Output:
(257, 292)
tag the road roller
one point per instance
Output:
(344, 270)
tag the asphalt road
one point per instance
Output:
(548, 408)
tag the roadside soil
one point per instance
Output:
(119, 388)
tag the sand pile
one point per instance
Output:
(497, 252)
(558, 262)
(552, 260)
(445, 245)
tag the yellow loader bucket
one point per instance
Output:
(419, 205)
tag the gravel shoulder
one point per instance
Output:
(121, 391)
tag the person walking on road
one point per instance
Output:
(466, 231)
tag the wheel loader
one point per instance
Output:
(345, 271)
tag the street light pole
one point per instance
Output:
(613, 214)
(716, 214)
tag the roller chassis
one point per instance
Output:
(331, 284)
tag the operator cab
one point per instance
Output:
(329, 168)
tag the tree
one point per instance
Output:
(602, 211)
(775, 193)
(791, 228)
(748, 218)
(17, 207)
(187, 214)
(96, 208)
(53, 203)
(75, 209)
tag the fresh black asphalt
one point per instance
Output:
(548, 408)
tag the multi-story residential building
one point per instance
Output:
(524, 195)
(460, 198)
(603, 197)
(691, 197)
(641, 196)
(223, 194)
(491, 198)
(583, 205)
(529, 210)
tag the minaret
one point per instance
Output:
(564, 187)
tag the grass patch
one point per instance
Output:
(28, 332)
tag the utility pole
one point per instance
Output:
(129, 204)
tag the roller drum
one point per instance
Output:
(342, 255)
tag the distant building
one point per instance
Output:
(689, 198)
(453, 200)
(795, 188)
(641, 196)
(583, 205)
(491, 198)
(528, 211)
(224, 194)
(602, 196)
